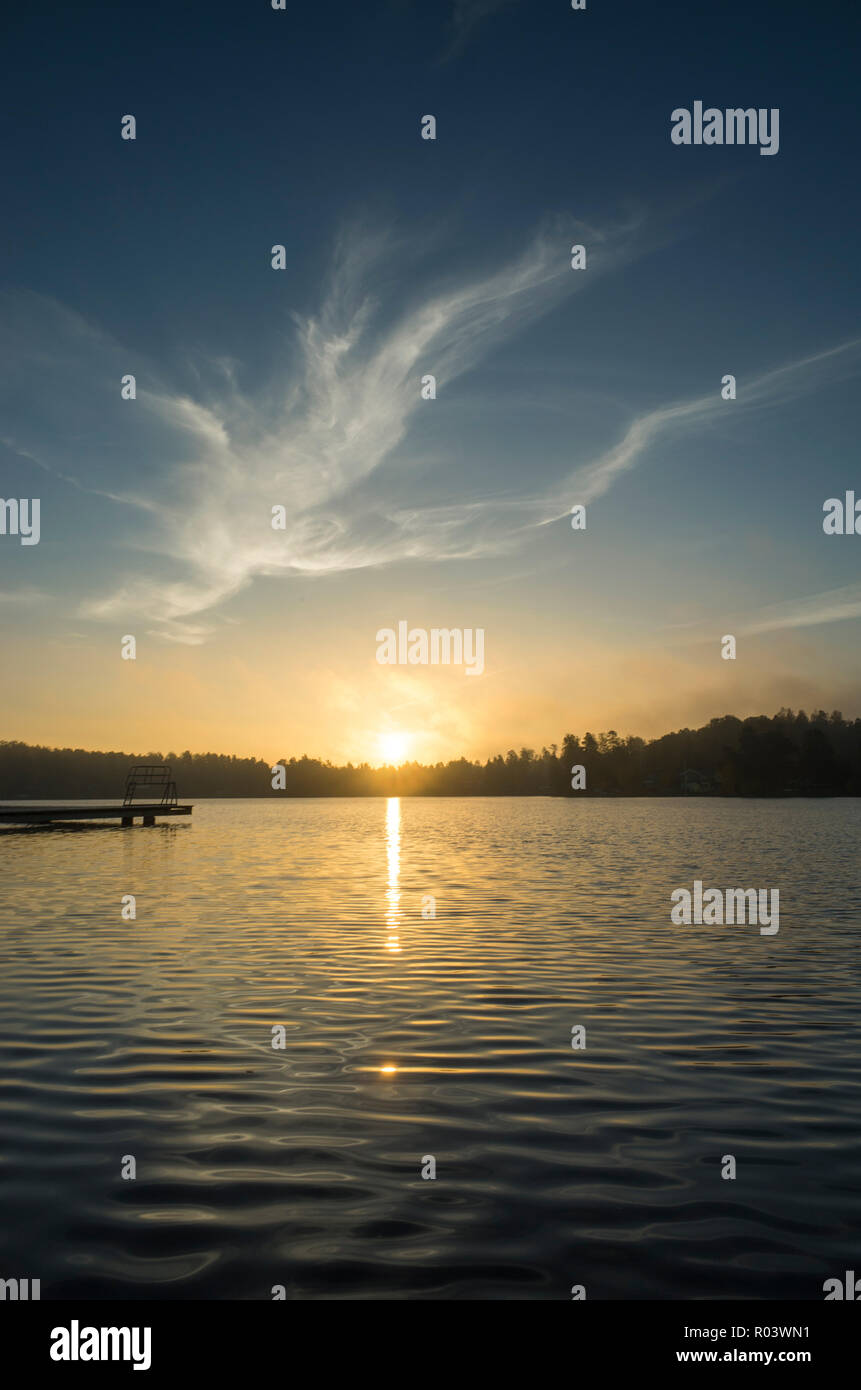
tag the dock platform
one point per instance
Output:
(47, 814)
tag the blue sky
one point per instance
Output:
(405, 256)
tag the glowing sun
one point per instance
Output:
(393, 746)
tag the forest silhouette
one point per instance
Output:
(787, 754)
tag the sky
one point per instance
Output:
(302, 387)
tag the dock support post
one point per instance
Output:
(149, 820)
(127, 820)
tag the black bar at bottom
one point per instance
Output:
(255, 1338)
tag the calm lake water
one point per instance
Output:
(555, 1167)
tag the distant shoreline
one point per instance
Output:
(787, 755)
(460, 796)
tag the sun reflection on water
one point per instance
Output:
(393, 892)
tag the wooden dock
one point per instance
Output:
(145, 781)
(47, 814)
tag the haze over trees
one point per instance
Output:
(787, 754)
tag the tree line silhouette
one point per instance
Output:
(787, 754)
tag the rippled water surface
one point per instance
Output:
(408, 1036)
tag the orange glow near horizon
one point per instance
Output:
(224, 701)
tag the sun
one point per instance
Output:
(393, 746)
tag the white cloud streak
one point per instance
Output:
(318, 448)
(770, 388)
(208, 474)
(814, 610)
(831, 606)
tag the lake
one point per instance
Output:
(408, 1037)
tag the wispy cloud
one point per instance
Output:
(831, 606)
(790, 380)
(202, 474)
(26, 594)
(215, 469)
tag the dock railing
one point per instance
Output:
(150, 782)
